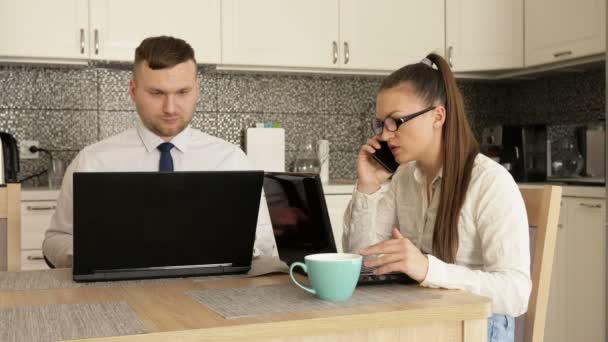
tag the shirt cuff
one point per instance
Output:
(434, 275)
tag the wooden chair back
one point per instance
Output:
(542, 206)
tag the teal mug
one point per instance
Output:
(333, 276)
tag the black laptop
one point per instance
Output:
(301, 224)
(134, 225)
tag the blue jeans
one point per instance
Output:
(501, 328)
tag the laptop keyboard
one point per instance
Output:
(367, 277)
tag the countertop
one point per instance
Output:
(39, 194)
(344, 187)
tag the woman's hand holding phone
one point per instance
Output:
(370, 173)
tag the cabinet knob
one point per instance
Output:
(82, 41)
(450, 52)
(346, 53)
(41, 207)
(335, 51)
(591, 206)
(562, 54)
(96, 42)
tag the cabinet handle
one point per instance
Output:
(562, 54)
(450, 51)
(82, 41)
(96, 42)
(346, 53)
(35, 257)
(41, 207)
(560, 226)
(592, 206)
(335, 51)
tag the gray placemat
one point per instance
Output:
(248, 301)
(59, 278)
(68, 321)
(262, 265)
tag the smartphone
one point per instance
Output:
(385, 157)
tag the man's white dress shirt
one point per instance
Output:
(493, 258)
(136, 150)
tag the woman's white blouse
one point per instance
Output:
(493, 258)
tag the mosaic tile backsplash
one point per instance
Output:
(67, 108)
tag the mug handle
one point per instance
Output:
(294, 265)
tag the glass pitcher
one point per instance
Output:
(307, 159)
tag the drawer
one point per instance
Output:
(33, 260)
(35, 219)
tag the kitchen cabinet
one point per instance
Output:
(344, 34)
(117, 27)
(37, 209)
(388, 34)
(563, 29)
(60, 31)
(337, 198)
(484, 35)
(31, 29)
(577, 310)
(299, 33)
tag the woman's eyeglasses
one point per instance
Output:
(392, 125)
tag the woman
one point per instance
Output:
(450, 217)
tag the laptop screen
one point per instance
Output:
(149, 220)
(299, 215)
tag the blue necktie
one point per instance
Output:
(166, 162)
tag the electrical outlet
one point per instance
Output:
(24, 149)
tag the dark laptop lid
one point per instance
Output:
(298, 212)
(145, 224)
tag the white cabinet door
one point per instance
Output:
(296, 33)
(557, 320)
(586, 307)
(117, 27)
(35, 219)
(388, 34)
(336, 205)
(33, 260)
(558, 30)
(485, 35)
(44, 29)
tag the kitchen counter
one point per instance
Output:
(339, 187)
(39, 194)
(573, 190)
(346, 187)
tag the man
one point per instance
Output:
(165, 90)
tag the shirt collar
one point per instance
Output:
(419, 176)
(151, 140)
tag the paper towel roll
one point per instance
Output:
(265, 147)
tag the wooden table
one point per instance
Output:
(171, 315)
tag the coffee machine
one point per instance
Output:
(521, 149)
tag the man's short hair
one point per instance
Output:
(163, 52)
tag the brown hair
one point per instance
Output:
(459, 144)
(163, 52)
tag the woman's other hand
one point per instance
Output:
(371, 175)
(398, 254)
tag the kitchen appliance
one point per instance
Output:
(521, 149)
(591, 142)
(265, 148)
(491, 142)
(9, 159)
